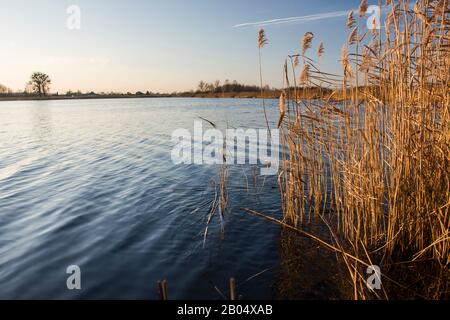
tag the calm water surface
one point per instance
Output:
(91, 183)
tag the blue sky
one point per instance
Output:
(158, 45)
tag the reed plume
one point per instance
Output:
(307, 41)
(353, 38)
(282, 107)
(350, 20)
(262, 40)
(320, 50)
(362, 8)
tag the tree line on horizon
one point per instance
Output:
(227, 86)
(39, 85)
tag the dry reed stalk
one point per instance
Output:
(262, 41)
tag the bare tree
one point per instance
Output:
(209, 87)
(202, 86)
(40, 83)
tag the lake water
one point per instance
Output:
(91, 183)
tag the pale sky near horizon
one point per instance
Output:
(159, 45)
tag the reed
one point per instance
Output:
(320, 50)
(374, 167)
(262, 42)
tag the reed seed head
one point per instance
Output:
(350, 20)
(320, 50)
(362, 8)
(353, 38)
(282, 104)
(306, 41)
(262, 40)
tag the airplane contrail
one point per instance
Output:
(313, 17)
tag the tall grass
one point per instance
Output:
(375, 167)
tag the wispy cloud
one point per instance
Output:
(300, 19)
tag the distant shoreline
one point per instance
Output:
(305, 93)
(48, 98)
(227, 95)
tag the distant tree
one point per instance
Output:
(209, 87)
(216, 85)
(201, 86)
(226, 86)
(139, 93)
(4, 89)
(40, 83)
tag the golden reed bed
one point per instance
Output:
(374, 168)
